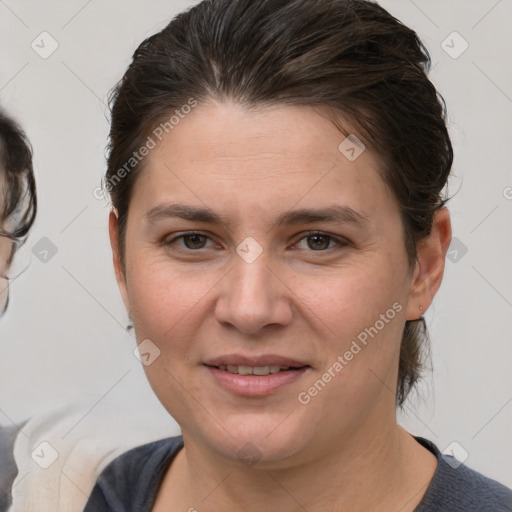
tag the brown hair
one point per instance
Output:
(349, 56)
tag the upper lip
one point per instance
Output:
(261, 360)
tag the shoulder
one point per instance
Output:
(458, 488)
(130, 481)
(8, 469)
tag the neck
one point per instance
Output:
(385, 470)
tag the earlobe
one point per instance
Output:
(430, 264)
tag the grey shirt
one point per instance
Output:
(130, 483)
(8, 470)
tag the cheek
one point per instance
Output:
(165, 305)
(362, 309)
(364, 314)
(163, 299)
(348, 300)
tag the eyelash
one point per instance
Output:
(339, 241)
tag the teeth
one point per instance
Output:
(261, 370)
(245, 370)
(252, 370)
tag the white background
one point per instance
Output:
(63, 336)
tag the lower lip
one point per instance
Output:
(255, 385)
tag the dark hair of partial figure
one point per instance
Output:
(18, 200)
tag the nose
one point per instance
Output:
(253, 296)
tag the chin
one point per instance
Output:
(258, 442)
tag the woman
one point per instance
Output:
(18, 206)
(278, 230)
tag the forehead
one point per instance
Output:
(228, 157)
(234, 134)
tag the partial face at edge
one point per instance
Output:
(5, 252)
(6, 248)
(304, 290)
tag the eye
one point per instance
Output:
(192, 241)
(319, 241)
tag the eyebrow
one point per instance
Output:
(186, 212)
(336, 213)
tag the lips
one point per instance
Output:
(255, 376)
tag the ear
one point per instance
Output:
(116, 257)
(429, 269)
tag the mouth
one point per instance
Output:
(255, 376)
(256, 370)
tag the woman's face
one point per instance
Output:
(297, 257)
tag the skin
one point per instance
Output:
(344, 449)
(5, 252)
